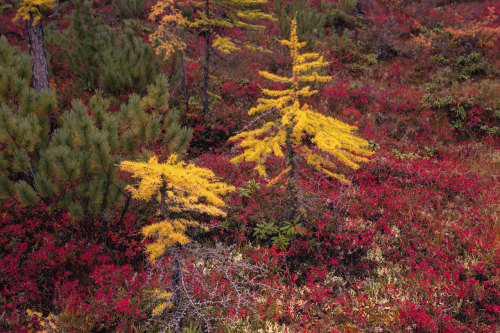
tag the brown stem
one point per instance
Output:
(163, 196)
(176, 285)
(292, 176)
(183, 81)
(176, 268)
(207, 61)
(125, 209)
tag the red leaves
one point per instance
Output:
(42, 256)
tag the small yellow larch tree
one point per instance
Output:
(215, 18)
(211, 18)
(183, 192)
(298, 133)
(167, 38)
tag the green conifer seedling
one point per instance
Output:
(74, 165)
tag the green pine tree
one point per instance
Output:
(103, 57)
(126, 9)
(314, 22)
(69, 160)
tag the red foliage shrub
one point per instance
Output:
(43, 255)
(109, 301)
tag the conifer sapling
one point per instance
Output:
(184, 192)
(297, 133)
(73, 165)
(213, 19)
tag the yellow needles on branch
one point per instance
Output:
(31, 10)
(183, 191)
(167, 36)
(298, 133)
(212, 19)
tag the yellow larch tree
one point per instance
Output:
(215, 18)
(219, 15)
(167, 38)
(182, 190)
(297, 133)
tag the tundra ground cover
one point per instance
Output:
(410, 245)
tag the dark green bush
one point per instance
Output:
(473, 65)
(129, 8)
(314, 23)
(69, 159)
(103, 57)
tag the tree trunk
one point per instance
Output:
(175, 275)
(207, 62)
(183, 81)
(176, 291)
(292, 178)
(40, 79)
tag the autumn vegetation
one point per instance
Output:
(249, 166)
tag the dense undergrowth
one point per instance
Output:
(412, 244)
